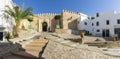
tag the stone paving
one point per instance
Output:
(33, 49)
(13, 45)
(6, 48)
(58, 48)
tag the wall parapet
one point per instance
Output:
(46, 14)
(71, 12)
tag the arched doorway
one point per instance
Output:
(1, 36)
(44, 26)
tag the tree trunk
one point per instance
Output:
(15, 32)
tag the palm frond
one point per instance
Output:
(10, 12)
(19, 13)
(27, 12)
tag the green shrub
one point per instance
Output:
(57, 17)
(8, 36)
(30, 18)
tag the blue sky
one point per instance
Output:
(89, 7)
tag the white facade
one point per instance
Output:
(82, 20)
(5, 20)
(107, 23)
(6, 23)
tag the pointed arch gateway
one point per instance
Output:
(44, 26)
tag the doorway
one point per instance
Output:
(1, 36)
(117, 31)
(106, 33)
(44, 26)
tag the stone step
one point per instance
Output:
(26, 55)
(96, 44)
(33, 49)
(35, 45)
(34, 52)
(30, 50)
(13, 57)
(37, 42)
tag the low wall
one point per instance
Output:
(67, 31)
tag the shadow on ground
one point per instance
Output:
(16, 51)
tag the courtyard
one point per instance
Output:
(47, 45)
(56, 29)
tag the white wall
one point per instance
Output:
(5, 21)
(82, 20)
(112, 16)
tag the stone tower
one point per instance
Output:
(69, 19)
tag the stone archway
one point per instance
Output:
(44, 26)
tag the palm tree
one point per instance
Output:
(18, 13)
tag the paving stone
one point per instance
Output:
(67, 50)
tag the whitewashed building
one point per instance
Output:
(106, 24)
(6, 23)
(83, 22)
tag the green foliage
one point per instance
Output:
(92, 18)
(19, 13)
(57, 17)
(8, 35)
(30, 18)
(88, 17)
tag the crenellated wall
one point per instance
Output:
(46, 17)
(69, 19)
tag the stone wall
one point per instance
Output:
(69, 19)
(67, 31)
(39, 19)
(35, 23)
(63, 31)
(24, 24)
